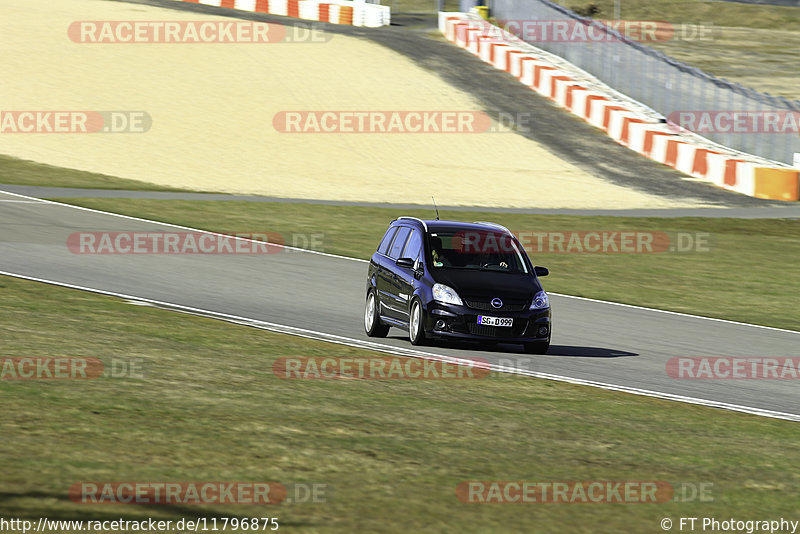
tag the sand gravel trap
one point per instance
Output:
(212, 107)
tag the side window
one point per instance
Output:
(399, 242)
(413, 248)
(383, 248)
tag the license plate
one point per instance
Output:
(495, 321)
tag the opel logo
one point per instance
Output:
(497, 303)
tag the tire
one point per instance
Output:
(372, 321)
(539, 347)
(416, 324)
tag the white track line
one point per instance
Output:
(679, 314)
(411, 353)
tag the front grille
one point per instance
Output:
(496, 331)
(486, 305)
(483, 330)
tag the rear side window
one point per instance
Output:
(414, 246)
(399, 242)
(383, 248)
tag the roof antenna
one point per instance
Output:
(434, 207)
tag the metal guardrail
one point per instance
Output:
(659, 81)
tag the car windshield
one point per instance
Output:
(475, 249)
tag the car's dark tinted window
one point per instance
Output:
(475, 249)
(383, 248)
(399, 242)
(413, 248)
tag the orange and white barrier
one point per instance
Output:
(655, 140)
(354, 13)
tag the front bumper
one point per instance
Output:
(461, 322)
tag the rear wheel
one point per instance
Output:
(372, 323)
(539, 347)
(416, 328)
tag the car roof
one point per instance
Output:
(433, 225)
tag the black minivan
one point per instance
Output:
(456, 280)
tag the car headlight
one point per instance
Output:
(446, 295)
(540, 301)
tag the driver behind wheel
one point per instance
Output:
(437, 253)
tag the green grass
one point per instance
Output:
(17, 171)
(730, 14)
(391, 452)
(748, 273)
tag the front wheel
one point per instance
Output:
(372, 323)
(539, 347)
(416, 328)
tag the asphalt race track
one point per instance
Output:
(592, 341)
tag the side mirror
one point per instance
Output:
(541, 271)
(405, 262)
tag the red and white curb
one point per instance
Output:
(644, 134)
